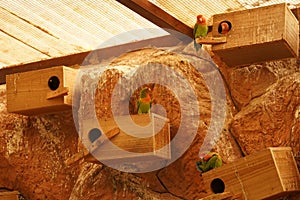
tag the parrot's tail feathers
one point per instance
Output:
(198, 165)
(197, 46)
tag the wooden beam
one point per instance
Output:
(78, 58)
(211, 40)
(296, 12)
(157, 16)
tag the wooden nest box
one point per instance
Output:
(40, 91)
(269, 174)
(9, 195)
(257, 35)
(155, 146)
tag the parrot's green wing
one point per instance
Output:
(219, 162)
(200, 30)
(195, 30)
(200, 165)
(138, 104)
(214, 162)
(203, 166)
(143, 107)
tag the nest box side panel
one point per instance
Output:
(126, 141)
(257, 36)
(255, 176)
(292, 32)
(40, 91)
(161, 129)
(27, 91)
(225, 176)
(13, 195)
(287, 169)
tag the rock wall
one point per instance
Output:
(263, 109)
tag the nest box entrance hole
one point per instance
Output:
(224, 27)
(53, 83)
(217, 186)
(94, 134)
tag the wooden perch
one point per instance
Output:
(109, 135)
(96, 144)
(211, 40)
(76, 157)
(57, 93)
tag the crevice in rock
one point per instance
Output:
(165, 187)
(161, 182)
(236, 142)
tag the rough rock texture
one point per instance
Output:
(271, 119)
(32, 153)
(263, 109)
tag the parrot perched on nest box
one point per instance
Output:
(145, 102)
(209, 161)
(200, 30)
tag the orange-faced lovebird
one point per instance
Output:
(224, 27)
(209, 161)
(200, 30)
(145, 102)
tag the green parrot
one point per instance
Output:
(200, 30)
(145, 102)
(210, 161)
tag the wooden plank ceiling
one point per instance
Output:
(40, 30)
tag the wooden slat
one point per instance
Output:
(48, 14)
(78, 58)
(63, 21)
(187, 10)
(28, 11)
(13, 51)
(158, 16)
(97, 15)
(114, 24)
(33, 36)
(67, 14)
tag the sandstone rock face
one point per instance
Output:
(262, 110)
(33, 150)
(250, 82)
(271, 119)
